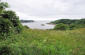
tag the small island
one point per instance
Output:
(43, 24)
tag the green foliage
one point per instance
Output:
(76, 26)
(64, 21)
(45, 42)
(69, 21)
(3, 5)
(5, 25)
(5, 50)
(9, 21)
(72, 24)
(6, 28)
(11, 15)
(61, 27)
(26, 27)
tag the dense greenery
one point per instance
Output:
(70, 21)
(61, 26)
(9, 21)
(11, 16)
(6, 28)
(69, 24)
(45, 42)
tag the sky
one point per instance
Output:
(48, 9)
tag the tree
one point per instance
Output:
(9, 21)
(14, 19)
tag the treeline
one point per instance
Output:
(69, 24)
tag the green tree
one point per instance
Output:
(11, 15)
(9, 21)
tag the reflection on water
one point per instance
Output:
(39, 25)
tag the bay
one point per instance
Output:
(39, 25)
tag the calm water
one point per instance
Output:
(39, 25)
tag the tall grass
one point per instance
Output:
(45, 42)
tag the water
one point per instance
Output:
(39, 25)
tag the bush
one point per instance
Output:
(26, 27)
(76, 26)
(61, 27)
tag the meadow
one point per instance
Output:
(44, 42)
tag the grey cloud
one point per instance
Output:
(48, 8)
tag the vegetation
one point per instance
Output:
(61, 26)
(70, 24)
(3, 5)
(18, 40)
(69, 21)
(8, 21)
(45, 42)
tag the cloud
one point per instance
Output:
(48, 8)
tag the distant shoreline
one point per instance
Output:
(27, 21)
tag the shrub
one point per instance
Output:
(76, 26)
(61, 27)
(26, 27)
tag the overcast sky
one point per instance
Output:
(48, 9)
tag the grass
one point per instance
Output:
(45, 42)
